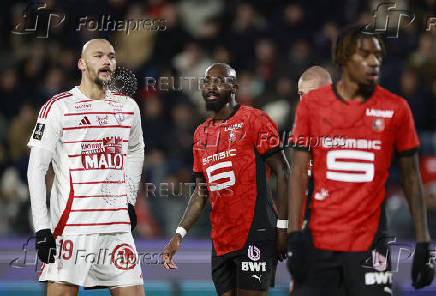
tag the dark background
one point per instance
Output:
(269, 43)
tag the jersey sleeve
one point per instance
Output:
(135, 155)
(48, 128)
(406, 139)
(266, 135)
(301, 131)
(197, 168)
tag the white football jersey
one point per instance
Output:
(89, 140)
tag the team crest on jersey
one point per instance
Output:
(39, 131)
(231, 136)
(103, 155)
(379, 124)
(119, 117)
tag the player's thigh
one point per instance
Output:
(256, 266)
(60, 289)
(231, 292)
(242, 292)
(137, 290)
(224, 274)
(368, 273)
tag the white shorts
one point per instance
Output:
(95, 260)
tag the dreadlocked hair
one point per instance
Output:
(346, 43)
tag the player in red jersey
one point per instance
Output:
(313, 78)
(351, 129)
(233, 151)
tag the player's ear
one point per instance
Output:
(235, 88)
(81, 64)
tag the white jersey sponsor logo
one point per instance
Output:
(379, 113)
(338, 142)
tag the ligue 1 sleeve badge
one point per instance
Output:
(378, 124)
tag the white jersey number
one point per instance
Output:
(224, 175)
(364, 171)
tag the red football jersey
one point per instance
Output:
(231, 156)
(352, 144)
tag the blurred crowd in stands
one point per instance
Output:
(269, 43)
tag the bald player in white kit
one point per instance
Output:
(93, 139)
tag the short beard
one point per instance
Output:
(366, 89)
(216, 106)
(101, 83)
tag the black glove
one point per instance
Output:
(422, 269)
(298, 244)
(45, 246)
(132, 216)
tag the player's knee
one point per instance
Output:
(59, 289)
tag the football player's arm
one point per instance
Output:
(134, 164)
(280, 167)
(135, 156)
(195, 208)
(43, 143)
(406, 143)
(297, 186)
(39, 162)
(196, 205)
(413, 189)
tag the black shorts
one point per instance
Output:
(251, 268)
(348, 273)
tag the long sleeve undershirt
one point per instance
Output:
(39, 162)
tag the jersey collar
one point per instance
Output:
(338, 96)
(235, 109)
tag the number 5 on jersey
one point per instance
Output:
(350, 171)
(220, 176)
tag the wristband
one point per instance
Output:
(282, 224)
(182, 231)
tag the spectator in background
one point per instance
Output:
(265, 64)
(293, 25)
(169, 42)
(419, 100)
(195, 14)
(11, 92)
(324, 40)
(191, 62)
(154, 124)
(53, 83)
(423, 60)
(247, 26)
(134, 50)
(21, 129)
